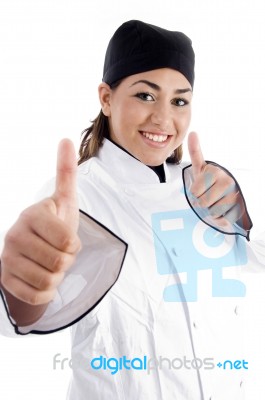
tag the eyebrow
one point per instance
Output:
(158, 88)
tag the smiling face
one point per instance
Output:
(149, 113)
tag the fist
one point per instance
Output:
(213, 188)
(43, 242)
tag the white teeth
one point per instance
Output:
(155, 138)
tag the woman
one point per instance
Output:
(138, 330)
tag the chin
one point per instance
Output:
(152, 160)
(153, 163)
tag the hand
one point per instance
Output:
(43, 243)
(213, 188)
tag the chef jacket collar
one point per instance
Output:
(158, 169)
(125, 167)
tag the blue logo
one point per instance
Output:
(117, 364)
(184, 243)
(147, 364)
(238, 364)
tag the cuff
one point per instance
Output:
(86, 283)
(236, 227)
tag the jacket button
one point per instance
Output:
(128, 191)
(236, 310)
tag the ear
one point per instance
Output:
(104, 93)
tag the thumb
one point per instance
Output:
(196, 156)
(65, 195)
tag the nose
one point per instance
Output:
(161, 116)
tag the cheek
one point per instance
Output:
(183, 122)
(129, 117)
(120, 113)
(133, 112)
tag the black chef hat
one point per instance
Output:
(138, 47)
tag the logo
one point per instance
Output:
(238, 364)
(117, 364)
(184, 243)
(145, 363)
(149, 364)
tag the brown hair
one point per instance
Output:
(93, 138)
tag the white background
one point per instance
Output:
(51, 59)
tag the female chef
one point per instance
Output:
(105, 252)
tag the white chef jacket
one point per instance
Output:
(137, 291)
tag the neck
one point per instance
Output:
(158, 169)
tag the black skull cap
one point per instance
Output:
(138, 47)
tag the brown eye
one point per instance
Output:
(145, 96)
(180, 102)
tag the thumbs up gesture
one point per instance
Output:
(214, 189)
(65, 195)
(43, 242)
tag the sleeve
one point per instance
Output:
(256, 255)
(95, 271)
(250, 181)
(235, 226)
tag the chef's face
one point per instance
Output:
(149, 113)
